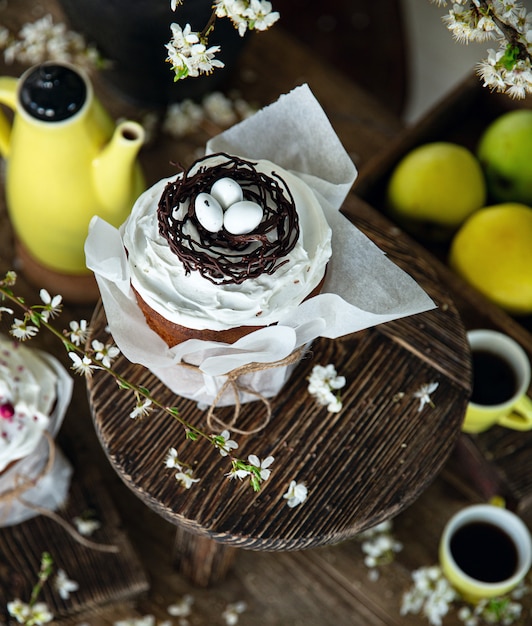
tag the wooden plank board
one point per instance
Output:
(103, 577)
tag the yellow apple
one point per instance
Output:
(434, 188)
(505, 153)
(492, 251)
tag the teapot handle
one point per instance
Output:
(8, 96)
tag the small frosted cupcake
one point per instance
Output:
(35, 391)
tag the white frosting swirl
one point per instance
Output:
(193, 301)
(27, 396)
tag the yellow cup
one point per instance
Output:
(513, 409)
(485, 551)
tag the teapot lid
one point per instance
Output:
(53, 92)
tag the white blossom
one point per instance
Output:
(516, 80)
(52, 306)
(188, 54)
(83, 366)
(219, 109)
(423, 394)
(232, 611)
(171, 461)
(262, 465)
(237, 472)
(43, 40)
(79, 332)
(324, 384)
(22, 329)
(63, 585)
(296, 494)
(104, 353)
(379, 547)
(86, 526)
(501, 610)
(224, 443)
(431, 594)
(37, 614)
(186, 117)
(244, 14)
(19, 610)
(182, 608)
(142, 408)
(5, 36)
(508, 24)
(182, 118)
(188, 51)
(186, 479)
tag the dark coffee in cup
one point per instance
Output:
(484, 551)
(501, 378)
(494, 379)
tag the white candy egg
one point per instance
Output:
(209, 212)
(242, 217)
(227, 191)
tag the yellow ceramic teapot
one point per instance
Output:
(66, 162)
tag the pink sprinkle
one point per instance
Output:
(7, 411)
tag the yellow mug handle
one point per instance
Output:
(8, 96)
(521, 416)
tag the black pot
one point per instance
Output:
(133, 36)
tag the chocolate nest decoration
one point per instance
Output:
(221, 257)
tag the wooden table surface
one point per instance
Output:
(276, 586)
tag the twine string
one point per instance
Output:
(232, 381)
(24, 483)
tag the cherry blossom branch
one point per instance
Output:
(188, 51)
(508, 69)
(100, 358)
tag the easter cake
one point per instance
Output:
(225, 248)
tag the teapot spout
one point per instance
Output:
(118, 179)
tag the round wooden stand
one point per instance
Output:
(202, 560)
(360, 466)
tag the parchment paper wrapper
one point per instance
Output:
(363, 287)
(51, 489)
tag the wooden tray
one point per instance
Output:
(103, 577)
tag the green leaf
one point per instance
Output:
(35, 317)
(510, 56)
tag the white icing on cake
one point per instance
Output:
(193, 301)
(27, 396)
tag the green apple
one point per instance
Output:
(505, 153)
(492, 251)
(434, 188)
